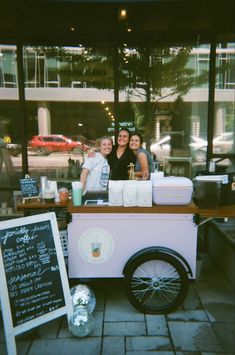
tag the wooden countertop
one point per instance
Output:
(224, 211)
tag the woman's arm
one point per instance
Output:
(143, 161)
(83, 177)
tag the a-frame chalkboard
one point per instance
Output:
(34, 286)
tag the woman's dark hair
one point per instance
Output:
(124, 129)
(138, 135)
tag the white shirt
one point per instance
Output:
(99, 169)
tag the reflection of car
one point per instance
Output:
(198, 148)
(222, 144)
(13, 148)
(46, 144)
(162, 148)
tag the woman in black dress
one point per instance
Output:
(121, 156)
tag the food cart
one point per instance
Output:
(153, 249)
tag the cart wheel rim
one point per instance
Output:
(157, 286)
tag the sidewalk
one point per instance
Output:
(203, 325)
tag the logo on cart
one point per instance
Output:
(95, 245)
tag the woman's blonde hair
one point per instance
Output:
(99, 140)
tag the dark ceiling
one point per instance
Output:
(98, 22)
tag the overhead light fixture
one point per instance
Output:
(129, 29)
(122, 14)
(72, 29)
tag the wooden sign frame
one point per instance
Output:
(10, 330)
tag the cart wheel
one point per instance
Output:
(156, 283)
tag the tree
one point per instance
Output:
(153, 75)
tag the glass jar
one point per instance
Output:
(63, 194)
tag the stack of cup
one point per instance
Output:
(77, 193)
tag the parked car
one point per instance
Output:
(49, 143)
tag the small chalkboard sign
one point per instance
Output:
(29, 188)
(33, 280)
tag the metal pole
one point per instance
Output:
(211, 101)
(22, 107)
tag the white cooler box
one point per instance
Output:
(172, 190)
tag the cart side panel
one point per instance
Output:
(100, 244)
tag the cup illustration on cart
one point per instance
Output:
(95, 249)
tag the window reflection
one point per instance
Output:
(163, 93)
(10, 134)
(224, 119)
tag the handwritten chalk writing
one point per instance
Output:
(26, 238)
(32, 270)
(43, 284)
(29, 187)
(20, 278)
(23, 230)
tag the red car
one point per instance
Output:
(48, 143)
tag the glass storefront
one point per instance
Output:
(80, 94)
(10, 126)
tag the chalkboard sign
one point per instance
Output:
(29, 188)
(33, 280)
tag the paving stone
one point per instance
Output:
(97, 330)
(50, 329)
(188, 315)
(124, 328)
(194, 336)
(121, 311)
(21, 346)
(226, 335)
(64, 330)
(149, 343)
(151, 353)
(116, 289)
(113, 346)
(156, 325)
(220, 312)
(98, 324)
(208, 295)
(192, 301)
(84, 346)
(203, 325)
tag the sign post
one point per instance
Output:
(34, 286)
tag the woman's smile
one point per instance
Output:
(134, 142)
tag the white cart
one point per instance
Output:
(154, 252)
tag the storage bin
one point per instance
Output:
(172, 190)
(207, 191)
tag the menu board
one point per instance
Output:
(29, 187)
(33, 280)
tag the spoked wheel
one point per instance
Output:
(156, 283)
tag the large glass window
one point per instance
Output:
(10, 130)
(224, 113)
(164, 95)
(73, 103)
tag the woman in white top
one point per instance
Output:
(95, 170)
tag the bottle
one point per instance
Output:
(131, 171)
